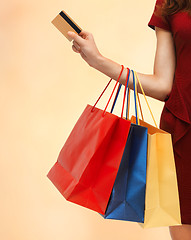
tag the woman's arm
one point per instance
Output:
(157, 85)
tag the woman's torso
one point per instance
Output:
(179, 100)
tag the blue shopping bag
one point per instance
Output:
(127, 199)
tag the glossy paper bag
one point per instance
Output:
(127, 200)
(87, 165)
(162, 198)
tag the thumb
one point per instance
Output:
(76, 37)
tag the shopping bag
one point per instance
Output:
(87, 165)
(162, 206)
(127, 200)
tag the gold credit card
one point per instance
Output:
(64, 23)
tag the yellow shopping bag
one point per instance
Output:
(162, 206)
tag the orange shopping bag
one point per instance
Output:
(162, 206)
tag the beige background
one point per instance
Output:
(44, 88)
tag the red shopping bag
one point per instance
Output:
(87, 165)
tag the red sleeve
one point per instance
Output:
(158, 21)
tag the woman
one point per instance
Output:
(170, 82)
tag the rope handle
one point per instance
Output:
(139, 105)
(145, 98)
(135, 97)
(128, 96)
(104, 112)
(125, 90)
(128, 103)
(126, 84)
(115, 99)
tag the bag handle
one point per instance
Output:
(118, 90)
(128, 96)
(144, 98)
(115, 100)
(111, 93)
(104, 112)
(116, 96)
(128, 100)
(140, 106)
(136, 97)
(126, 84)
(128, 103)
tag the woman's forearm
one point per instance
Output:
(157, 85)
(151, 84)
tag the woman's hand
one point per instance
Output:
(85, 45)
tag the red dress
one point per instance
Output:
(176, 114)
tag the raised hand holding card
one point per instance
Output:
(64, 23)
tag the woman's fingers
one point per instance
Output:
(76, 45)
(76, 38)
(84, 44)
(75, 49)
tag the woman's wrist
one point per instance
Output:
(99, 62)
(109, 68)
